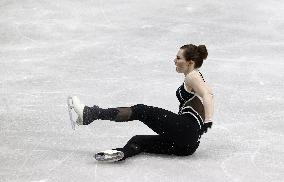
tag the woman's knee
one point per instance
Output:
(138, 111)
(137, 139)
(135, 144)
(187, 150)
(139, 107)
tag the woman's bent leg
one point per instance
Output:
(155, 144)
(182, 130)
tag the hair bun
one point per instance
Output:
(202, 51)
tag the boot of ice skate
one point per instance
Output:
(78, 108)
(75, 105)
(87, 115)
(109, 155)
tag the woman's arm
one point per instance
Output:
(201, 88)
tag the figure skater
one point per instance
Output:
(177, 134)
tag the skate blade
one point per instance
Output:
(70, 108)
(103, 157)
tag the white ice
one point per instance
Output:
(119, 53)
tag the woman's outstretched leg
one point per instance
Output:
(182, 130)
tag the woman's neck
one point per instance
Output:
(190, 70)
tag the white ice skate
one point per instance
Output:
(109, 156)
(74, 104)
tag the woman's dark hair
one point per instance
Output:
(195, 53)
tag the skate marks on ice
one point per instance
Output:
(41, 156)
(30, 113)
(251, 166)
(102, 10)
(255, 160)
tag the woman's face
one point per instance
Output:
(180, 62)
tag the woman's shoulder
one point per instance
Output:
(195, 80)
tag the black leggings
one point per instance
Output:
(177, 134)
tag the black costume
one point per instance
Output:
(178, 134)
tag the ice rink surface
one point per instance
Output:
(120, 53)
